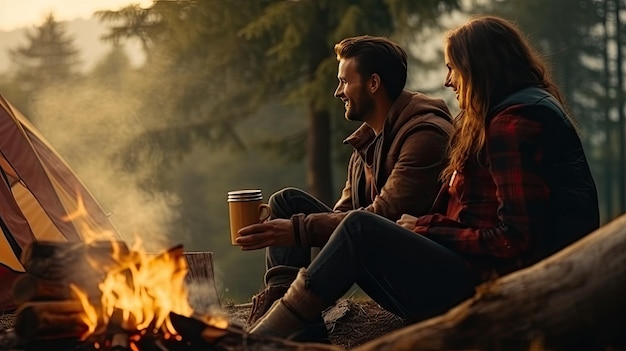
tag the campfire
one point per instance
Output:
(106, 296)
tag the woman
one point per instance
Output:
(518, 188)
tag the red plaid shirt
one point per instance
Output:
(497, 201)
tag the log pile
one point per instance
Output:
(60, 274)
(48, 308)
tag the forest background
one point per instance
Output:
(236, 94)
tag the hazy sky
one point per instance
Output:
(20, 13)
(79, 25)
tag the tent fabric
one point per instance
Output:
(39, 194)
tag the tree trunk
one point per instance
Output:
(608, 159)
(319, 177)
(319, 169)
(621, 186)
(573, 300)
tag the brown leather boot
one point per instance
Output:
(262, 302)
(277, 281)
(296, 316)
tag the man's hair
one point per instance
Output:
(377, 55)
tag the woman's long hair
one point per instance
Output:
(493, 59)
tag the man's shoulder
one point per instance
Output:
(426, 110)
(422, 105)
(413, 109)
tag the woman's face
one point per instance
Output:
(453, 80)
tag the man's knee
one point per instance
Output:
(281, 202)
(283, 196)
(357, 222)
(360, 217)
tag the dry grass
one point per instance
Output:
(6, 320)
(363, 321)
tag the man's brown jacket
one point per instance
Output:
(408, 156)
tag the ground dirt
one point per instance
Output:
(351, 322)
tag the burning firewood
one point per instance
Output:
(50, 320)
(28, 287)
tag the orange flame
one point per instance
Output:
(79, 218)
(143, 288)
(139, 287)
(146, 289)
(90, 315)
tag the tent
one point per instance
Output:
(38, 193)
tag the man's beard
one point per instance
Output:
(360, 109)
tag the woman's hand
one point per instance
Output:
(407, 221)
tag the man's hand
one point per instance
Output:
(276, 232)
(407, 221)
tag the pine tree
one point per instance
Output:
(111, 71)
(48, 58)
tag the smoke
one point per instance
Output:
(88, 125)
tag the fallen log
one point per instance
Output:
(573, 300)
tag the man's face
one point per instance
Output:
(353, 91)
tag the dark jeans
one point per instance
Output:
(404, 272)
(282, 263)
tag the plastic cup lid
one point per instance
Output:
(244, 192)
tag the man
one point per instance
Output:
(399, 151)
